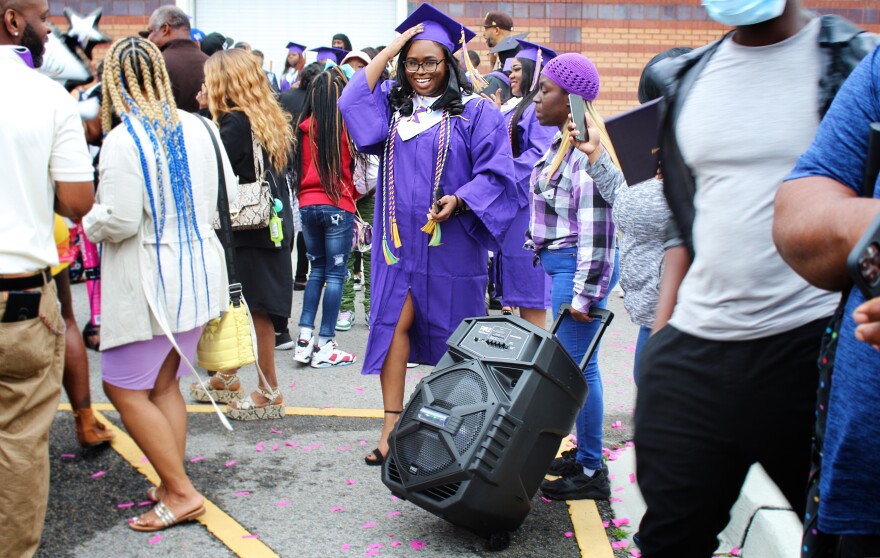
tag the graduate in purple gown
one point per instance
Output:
(526, 286)
(445, 198)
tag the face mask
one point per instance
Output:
(347, 70)
(329, 64)
(744, 12)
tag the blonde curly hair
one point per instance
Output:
(236, 82)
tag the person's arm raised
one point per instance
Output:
(374, 69)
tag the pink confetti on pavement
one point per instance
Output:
(68, 456)
(293, 445)
(337, 509)
(605, 524)
(144, 504)
(392, 514)
(197, 459)
(275, 447)
(619, 489)
(144, 460)
(242, 494)
(395, 544)
(371, 553)
(612, 476)
(274, 431)
(546, 499)
(395, 498)
(343, 448)
(251, 536)
(635, 553)
(617, 424)
(418, 545)
(360, 390)
(345, 546)
(351, 481)
(363, 442)
(231, 463)
(629, 444)
(375, 545)
(155, 539)
(619, 522)
(615, 499)
(369, 525)
(734, 551)
(311, 447)
(99, 474)
(620, 544)
(283, 503)
(126, 505)
(293, 385)
(632, 478)
(568, 534)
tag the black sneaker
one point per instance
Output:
(567, 465)
(578, 487)
(283, 342)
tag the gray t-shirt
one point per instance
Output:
(750, 114)
(640, 215)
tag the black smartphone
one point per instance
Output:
(578, 115)
(863, 263)
(437, 206)
(21, 306)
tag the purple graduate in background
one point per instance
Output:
(446, 196)
(526, 286)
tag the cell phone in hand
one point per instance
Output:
(863, 263)
(437, 206)
(21, 306)
(578, 115)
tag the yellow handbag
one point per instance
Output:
(226, 342)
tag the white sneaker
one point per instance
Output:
(329, 355)
(304, 350)
(345, 321)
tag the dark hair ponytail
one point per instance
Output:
(457, 86)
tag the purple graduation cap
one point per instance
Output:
(296, 48)
(330, 53)
(529, 51)
(439, 27)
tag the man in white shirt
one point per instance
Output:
(46, 165)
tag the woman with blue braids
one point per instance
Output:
(162, 262)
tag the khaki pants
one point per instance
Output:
(31, 365)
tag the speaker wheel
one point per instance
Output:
(499, 541)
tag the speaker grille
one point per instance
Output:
(393, 473)
(469, 431)
(442, 492)
(422, 453)
(462, 387)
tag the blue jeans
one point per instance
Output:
(644, 335)
(561, 266)
(328, 232)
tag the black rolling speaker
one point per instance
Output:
(478, 434)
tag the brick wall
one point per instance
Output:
(620, 36)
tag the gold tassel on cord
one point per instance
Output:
(478, 82)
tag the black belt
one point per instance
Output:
(25, 283)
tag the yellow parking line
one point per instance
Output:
(218, 522)
(289, 411)
(588, 530)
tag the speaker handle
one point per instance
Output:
(604, 316)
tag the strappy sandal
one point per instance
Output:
(379, 458)
(221, 389)
(507, 311)
(246, 409)
(91, 334)
(153, 494)
(167, 518)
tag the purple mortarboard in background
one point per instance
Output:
(507, 65)
(439, 27)
(529, 51)
(296, 48)
(330, 53)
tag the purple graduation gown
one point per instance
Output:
(525, 284)
(447, 282)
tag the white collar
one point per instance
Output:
(423, 117)
(511, 104)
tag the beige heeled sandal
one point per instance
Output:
(224, 388)
(246, 409)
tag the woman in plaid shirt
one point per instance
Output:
(573, 235)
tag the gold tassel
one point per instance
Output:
(432, 228)
(395, 235)
(478, 82)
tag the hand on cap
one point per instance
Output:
(591, 147)
(397, 44)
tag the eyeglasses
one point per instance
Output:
(430, 66)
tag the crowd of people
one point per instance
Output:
(402, 171)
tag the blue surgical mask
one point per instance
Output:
(744, 12)
(347, 70)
